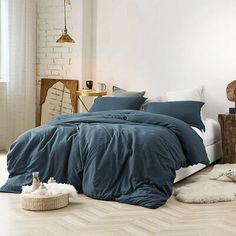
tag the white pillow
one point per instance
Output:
(195, 94)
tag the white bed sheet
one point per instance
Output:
(212, 134)
(212, 141)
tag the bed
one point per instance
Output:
(124, 155)
(125, 149)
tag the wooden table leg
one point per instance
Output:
(83, 103)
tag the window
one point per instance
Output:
(4, 58)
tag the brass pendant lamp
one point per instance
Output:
(65, 37)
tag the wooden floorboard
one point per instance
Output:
(89, 217)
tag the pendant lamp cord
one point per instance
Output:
(65, 15)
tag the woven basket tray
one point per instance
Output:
(44, 203)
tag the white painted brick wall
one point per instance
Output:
(52, 56)
(58, 61)
(49, 27)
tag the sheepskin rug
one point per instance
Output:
(209, 188)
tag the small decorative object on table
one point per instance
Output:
(46, 196)
(101, 87)
(89, 84)
(231, 95)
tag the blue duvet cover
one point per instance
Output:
(126, 156)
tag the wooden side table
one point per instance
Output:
(88, 93)
(228, 133)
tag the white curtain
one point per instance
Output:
(21, 85)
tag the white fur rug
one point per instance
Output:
(207, 189)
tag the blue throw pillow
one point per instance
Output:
(187, 111)
(117, 103)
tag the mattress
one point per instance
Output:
(212, 141)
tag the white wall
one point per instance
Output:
(163, 45)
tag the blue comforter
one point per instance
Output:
(127, 156)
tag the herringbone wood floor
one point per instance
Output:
(92, 218)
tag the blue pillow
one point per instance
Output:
(117, 103)
(187, 111)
